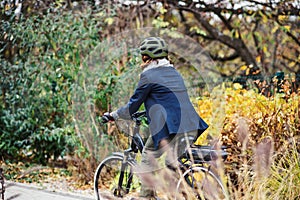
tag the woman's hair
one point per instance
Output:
(146, 58)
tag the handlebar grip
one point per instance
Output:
(107, 117)
(104, 119)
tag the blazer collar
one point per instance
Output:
(161, 63)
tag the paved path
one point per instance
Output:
(18, 191)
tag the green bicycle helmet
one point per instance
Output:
(154, 47)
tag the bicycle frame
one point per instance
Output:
(137, 145)
(194, 158)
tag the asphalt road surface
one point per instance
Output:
(17, 191)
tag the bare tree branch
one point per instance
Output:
(233, 43)
(223, 59)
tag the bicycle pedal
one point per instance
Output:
(118, 193)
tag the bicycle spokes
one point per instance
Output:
(202, 184)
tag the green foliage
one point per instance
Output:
(36, 85)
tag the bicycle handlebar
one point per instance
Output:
(135, 117)
(138, 114)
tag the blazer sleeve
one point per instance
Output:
(136, 100)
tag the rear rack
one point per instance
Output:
(202, 154)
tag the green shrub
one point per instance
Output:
(36, 83)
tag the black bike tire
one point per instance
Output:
(117, 158)
(206, 172)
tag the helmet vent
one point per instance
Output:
(158, 52)
(162, 43)
(152, 42)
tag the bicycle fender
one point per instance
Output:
(118, 154)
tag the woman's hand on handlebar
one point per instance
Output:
(107, 117)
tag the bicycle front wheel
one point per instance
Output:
(200, 183)
(113, 178)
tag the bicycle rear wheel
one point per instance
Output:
(113, 178)
(200, 183)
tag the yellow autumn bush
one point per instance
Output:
(265, 116)
(258, 131)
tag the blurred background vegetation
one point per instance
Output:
(254, 46)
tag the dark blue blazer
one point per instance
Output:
(168, 107)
